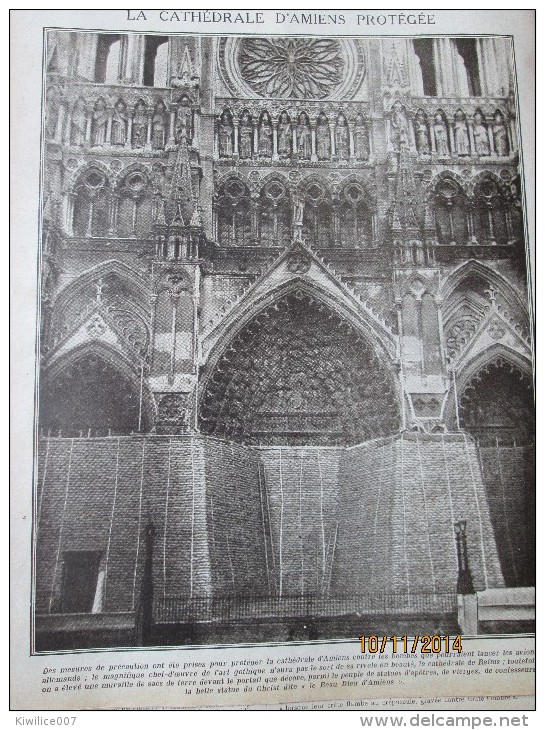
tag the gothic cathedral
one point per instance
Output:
(286, 360)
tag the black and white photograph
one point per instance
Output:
(280, 413)
(285, 385)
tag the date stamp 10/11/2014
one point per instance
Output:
(374, 644)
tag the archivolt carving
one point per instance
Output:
(298, 373)
(496, 404)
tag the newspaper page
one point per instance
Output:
(273, 386)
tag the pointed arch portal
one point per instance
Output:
(298, 373)
(91, 394)
(497, 407)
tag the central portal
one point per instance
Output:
(299, 374)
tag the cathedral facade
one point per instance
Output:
(286, 363)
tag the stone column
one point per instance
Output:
(471, 225)
(450, 128)
(206, 188)
(254, 217)
(89, 230)
(66, 138)
(491, 138)
(196, 140)
(108, 139)
(512, 136)
(87, 46)
(172, 121)
(60, 123)
(235, 138)
(148, 139)
(432, 138)
(89, 125)
(313, 155)
(509, 224)
(68, 213)
(275, 141)
(113, 213)
(451, 67)
(412, 140)
(132, 61)
(374, 228)
(128, 141)
(336, 223)
(484, 72)
(442, 344)
(438, 67)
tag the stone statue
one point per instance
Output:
(246, 134)
(298, 211)
(461, 134)
(499, 133)
(140, 126)
(284, 136)
(361, 139)
(225, 135)
(323, 138)
(304, 144)
(100, 123)
(183, 123)
(78, 125)
(440, 135)
(342, 142)
(298, 215)
(399, 135)
(421, 132)
(264, 137)
(480, 134)
(158, 127)
(119, 124)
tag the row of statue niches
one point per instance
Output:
(284, 138)
(462, 136)
(143, 128)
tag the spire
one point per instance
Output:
(186, 70)
(178, 219)
(413, 241)
(405, 207)
(185, 73)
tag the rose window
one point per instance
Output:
(291, 67)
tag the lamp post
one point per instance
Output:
(144, 619)
(465, 579)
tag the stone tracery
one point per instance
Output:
(291, 67)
